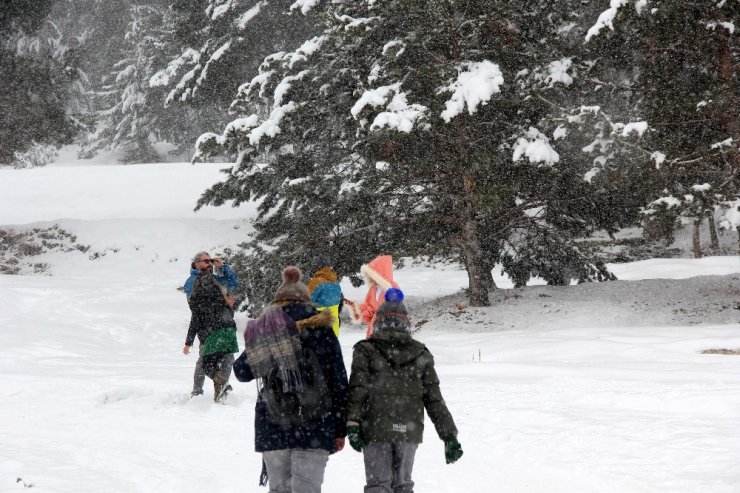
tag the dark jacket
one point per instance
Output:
(392, 382)
(316, 334)
(208, 309)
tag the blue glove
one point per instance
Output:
(353, 435)
(453, 450)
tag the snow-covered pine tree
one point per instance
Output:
(219, 41)
(419, 128)
(680, 61)
(135, 116)
(38, 78)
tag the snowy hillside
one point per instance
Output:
(589, 388)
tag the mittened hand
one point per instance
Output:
(353, 435)
(453, 450)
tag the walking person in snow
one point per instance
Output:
(292, 352)
(212, 321)
(326, 294)
(391, 383)
(226, 277)
(379, 278)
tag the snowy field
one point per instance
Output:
(591, 388)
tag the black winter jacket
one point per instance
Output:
(316, 334)
(393, 380)
(208, 309)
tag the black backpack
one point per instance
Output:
(294, 408)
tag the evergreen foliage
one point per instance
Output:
(371, 140)
(680, 61)
(38, 79)
(133, 120)
(219, 41)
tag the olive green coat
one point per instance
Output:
(392, 382)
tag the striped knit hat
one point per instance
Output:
(392, 313)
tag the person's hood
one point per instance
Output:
(327, 294)
(397, 346)
(306, 316)
(379, 271)
(321, 276)
(323, 320)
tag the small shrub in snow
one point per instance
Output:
(37, 155)
(17, 247)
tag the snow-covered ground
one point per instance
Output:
(590, 388)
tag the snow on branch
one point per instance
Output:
(558, 72)
(351, 22)
(394, 43)
(606, 19)
(374, 97)
(668, 202)
(400, 115)
(219, 10)
(307, 49)
(626, 130)
(304, 5)
(162, 78)
(214, 57)
(725, 143)
(474, 86)
(536, 147)
(658, 158)
(250, 14)
(271, 126)
(260, 80)
(284, 85)
(727, 25)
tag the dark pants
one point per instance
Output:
(217, 367)
(388, 467)
(199, 377)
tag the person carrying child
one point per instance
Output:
(392, 382)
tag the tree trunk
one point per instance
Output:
(738, 239)
(714, 245)
(479, 276)
(488, 273)
(697, 242)
(476, 263)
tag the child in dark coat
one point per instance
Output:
(391, 383)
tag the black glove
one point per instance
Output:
(453, 450)
(353, 435)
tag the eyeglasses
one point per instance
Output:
(206, 260)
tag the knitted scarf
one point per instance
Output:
(272, 342)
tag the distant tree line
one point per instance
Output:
(113, 75)
(481, 131)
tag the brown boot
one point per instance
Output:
(218, 389)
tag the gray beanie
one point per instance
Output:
(392, 314)
(292, 289)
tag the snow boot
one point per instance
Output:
(221, 392)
